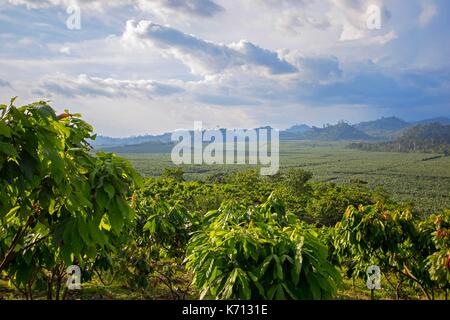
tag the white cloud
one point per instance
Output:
(91, 4)
(204, 57)
(4, 83)
(84, 85)
(383, 39)
(302, 58)
(166, 8)
(163, 8)
(429, 10)
(65, 50)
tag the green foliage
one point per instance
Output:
(439, 261)
(296, 181)
(259, 253)
(329, 201)
(239, 235)
(396, 241)
(433, 137)
(422, 180)
(175, 173)
(59, 204)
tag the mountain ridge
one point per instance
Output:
(385, 128)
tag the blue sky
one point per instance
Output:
(150, 66)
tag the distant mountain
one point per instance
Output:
(386, 127)
(433, 137)
(146, 147)
(295, 132)
(440, 120)
(298, 128)
(339, 131)
(104, 141)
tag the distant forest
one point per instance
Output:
(433, 137)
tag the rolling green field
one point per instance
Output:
(414, 178)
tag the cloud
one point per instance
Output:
(316, 68)
(349, 17)
(296, 22)
(43, 4)
(354, 15)
(201, 56)
(4, 83)
(84, 85)
(321, 84)
(429, 10)
(65, 50)
(164, 8)
(301, 57)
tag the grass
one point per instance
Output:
(94, 290)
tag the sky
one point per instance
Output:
(134, 67)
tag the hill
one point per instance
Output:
(440, 120)
(104, 141)
(337, 132)
(146, 147)
(295, 132)
(386, 127)
(433, 137)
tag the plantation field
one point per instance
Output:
(71, 219)
(414, 178)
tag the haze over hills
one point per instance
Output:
(383, 128)
(441, 120)
(386, 128)
(337, 132)
(429, 137)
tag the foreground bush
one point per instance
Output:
(59, 204)
(260, 253)
(416, 251)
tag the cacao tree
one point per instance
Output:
(59, 203)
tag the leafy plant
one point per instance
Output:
(60, 204)
(439, 261)
(259, 253)
(396, 241)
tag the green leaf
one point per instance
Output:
(5, 130)
(263, 267)
(257, 284)
(104, 223)
(8, 149)
(109, 190)
(228, 288)
(123, 207)
(314, 287)
(271, 292)
(278, 272)
(11, 214)
(102, 200)
(115, 217)
(245, 286)
(280, 295)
